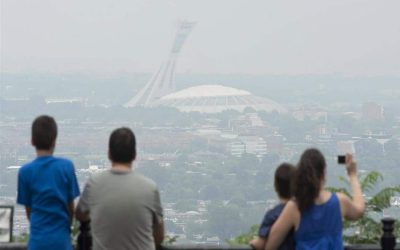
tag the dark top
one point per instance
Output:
(321, 227)
(269, 219)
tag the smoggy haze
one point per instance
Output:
(262, 37)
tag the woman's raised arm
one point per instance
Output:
(352, 209)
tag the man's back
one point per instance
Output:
(123, 207)
(46, 186)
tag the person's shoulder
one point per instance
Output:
(277, 209)
(146, 181)
(292, 206)
(63, 163)
(105, 175)
(26, 167)
(333, 197)
(273, 213)
(29, 166)
(99, 176)
(341, 197)
(62, 160)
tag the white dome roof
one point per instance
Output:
(217, 98)
(206, 91)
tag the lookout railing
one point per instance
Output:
(387, 242)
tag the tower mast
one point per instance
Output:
(163, 82)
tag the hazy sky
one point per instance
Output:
(351, 37)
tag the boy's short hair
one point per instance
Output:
(284, 175)
(44, 132)
(122, 146)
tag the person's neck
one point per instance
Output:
(121, 166)
(322, 197)
(44, 152)
(283, 200)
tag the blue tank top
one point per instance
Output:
(321, 227)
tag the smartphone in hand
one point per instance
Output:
(341, 159)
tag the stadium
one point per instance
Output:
(215, 99)
(160, 90)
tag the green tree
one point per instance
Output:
(244, 239)
(170, 239)
(23, 238)
(368, 229)
(75, 230)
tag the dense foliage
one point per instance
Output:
(368, 229)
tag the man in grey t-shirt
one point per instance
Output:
(123, 206)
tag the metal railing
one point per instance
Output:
(388, 241)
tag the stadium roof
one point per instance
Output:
(206, 91)
(217, 98)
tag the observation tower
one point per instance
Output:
(162, 82)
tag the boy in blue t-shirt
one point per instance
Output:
(284, 175)
(47, 187)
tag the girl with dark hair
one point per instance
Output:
(316, 214)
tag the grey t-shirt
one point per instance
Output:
(123, 207)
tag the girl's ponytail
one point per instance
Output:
(308, 179)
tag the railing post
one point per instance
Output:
(388, 240)
(84, 237)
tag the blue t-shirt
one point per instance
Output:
(269, 219)
(47, 185)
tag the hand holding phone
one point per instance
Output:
(351, 165)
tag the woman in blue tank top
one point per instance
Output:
(316, 214)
